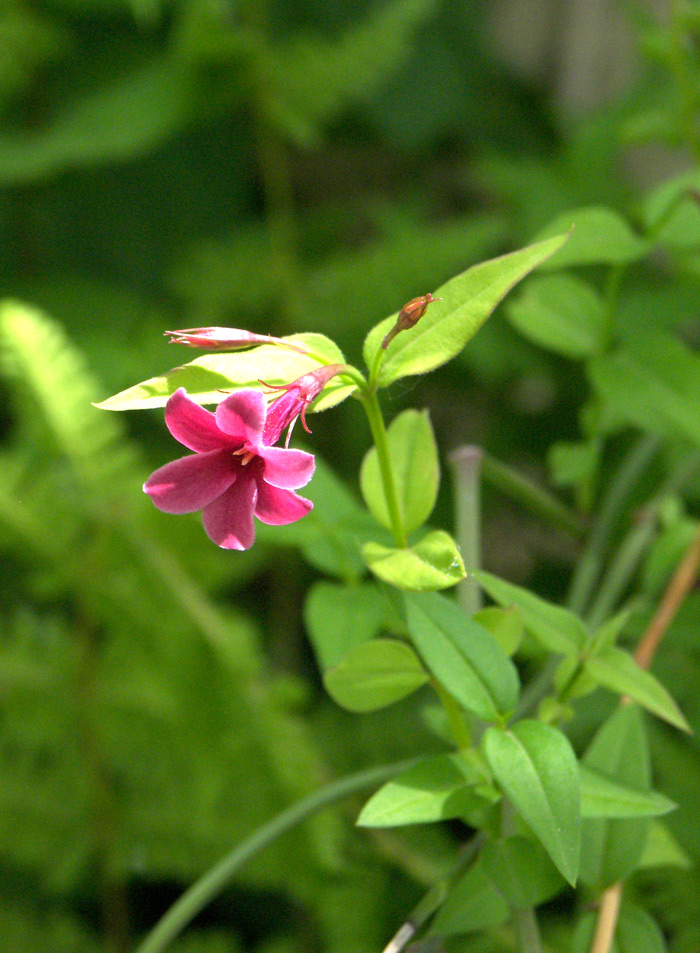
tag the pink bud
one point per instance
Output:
(228, 339)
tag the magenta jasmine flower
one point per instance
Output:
(295, 398)
(234, 473)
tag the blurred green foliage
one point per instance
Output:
(282, 167)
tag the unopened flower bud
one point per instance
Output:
(228, 339)
(409, 315)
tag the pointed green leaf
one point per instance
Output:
(602, 797)
(536, 767)
(557, 629)
(462, 656)
(473, 904)
(521, 871)
(434, 563)
(375, 674)
(615, 669)
(434, 790)
(612, 848)
(415, 467)
(448, 325)
(561, 313)
(600, 236)
(210, 378)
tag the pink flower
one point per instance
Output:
(234, 473)
(294, 400)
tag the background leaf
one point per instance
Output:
(375, 674)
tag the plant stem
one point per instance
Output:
(214, 880)
(376, 424)
(590, 564)
(534, 498)
(465, 463)
(528, 930)
(636, 542)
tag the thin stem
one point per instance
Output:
(433, 899)
(466, 473)
(214, 880)
(607, 919)
(636, 542)
(376, 423)
(533, 497)
(590, 564)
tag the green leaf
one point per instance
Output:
(617, 670)
(600, 236)
(448, 325)
(339, 617)
(208, 379)
(375, 674)
(652, 382)
(619, 750)
(602, 797)
(415, 467)
(434, 790)
(536, 767)
(473, 904)
(561, 313)
(671, 212)
(557, 629)
(462, 656)
(505, 625)
(433, 563)
(661, 849)
(521, 871)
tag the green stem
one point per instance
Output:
(466, 472)
(376, 424)
(636, 543)
(214, 880)
(590, 564)
(525, 922)
(532, 497)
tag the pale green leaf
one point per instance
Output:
(433, 563)
(447, 326)
(434, 790)
(603, 797)
(209, 379)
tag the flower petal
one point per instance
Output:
(228, 520)
(287, 469)
(190, 483)
(279, 507)
(241, 416)
(192, 425)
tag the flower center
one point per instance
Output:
(245, 455)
